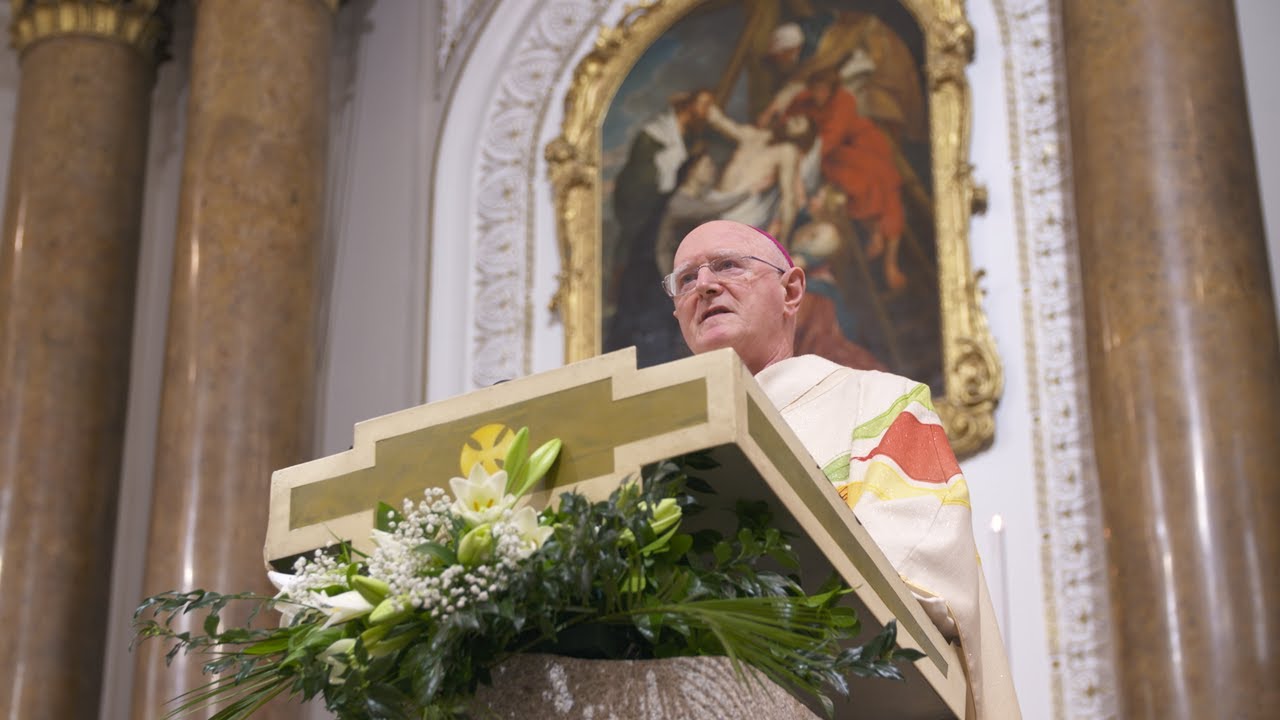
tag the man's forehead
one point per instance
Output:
(722, 237)
(713, 254)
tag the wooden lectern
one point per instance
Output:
(614, 419)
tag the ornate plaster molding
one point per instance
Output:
(504, 179)
(141, 24)
(1082, 663)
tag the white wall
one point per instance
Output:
(380, 172)
(1259, 22)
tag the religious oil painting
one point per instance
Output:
(810, 119)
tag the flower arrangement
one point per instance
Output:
(456, 585)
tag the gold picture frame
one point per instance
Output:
(972, 374)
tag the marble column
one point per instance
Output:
(68, 262)
(1184, 361)
(240, 364)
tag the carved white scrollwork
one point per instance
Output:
(1075, 579)
(505, 177)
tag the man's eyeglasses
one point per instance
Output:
(728, 268)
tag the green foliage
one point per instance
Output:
(616, 579)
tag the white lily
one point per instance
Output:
(285, 583)
(343, 607)
(335, 656)
(532, 535)
(481, 498)
(388, 544)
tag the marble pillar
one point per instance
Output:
(240, 364)
(68, 262)
(1183, 356)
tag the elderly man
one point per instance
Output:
(875, 436)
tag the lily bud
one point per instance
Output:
(390, 611)
(335, 656)
(665, 515)
(338, 647)
(399, 642)
(371, 589)
(539, 463)
(476, 546)
(374, 634)
(515, 461)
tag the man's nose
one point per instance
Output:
(708, 281)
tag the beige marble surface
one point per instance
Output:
(551, 686)
(67, 272)
(240, 362)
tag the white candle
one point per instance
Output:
(996, 566)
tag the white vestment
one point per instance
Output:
(879, 441)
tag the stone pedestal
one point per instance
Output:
(241, 354)
(551, 686)
(68, 261)
(1184, 361)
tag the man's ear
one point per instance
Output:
(793, 283)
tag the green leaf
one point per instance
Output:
(704, 540)
(680, 545)
(384, 516)
(385, 701)
(269, 647)
(211, 622)
(660, 543)
(723, 551)
(700, 461)
(699, 485)
(440, 553)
